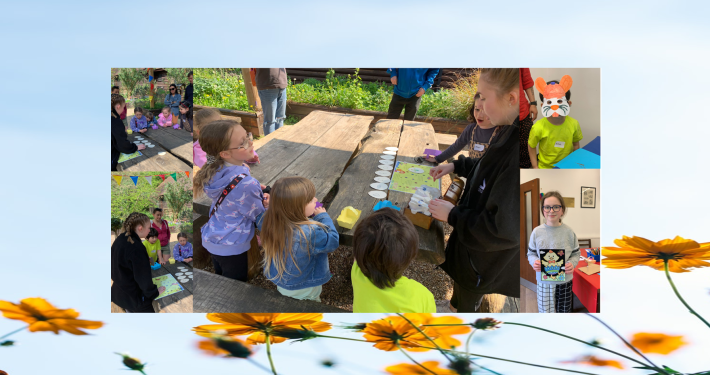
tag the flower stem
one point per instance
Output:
(412, 359)
(268, 352)
(668, 276)
(13, 332)
(582, 341)
(518, 362)
(662, 371)
(342, 338)
(259, 365)
(468, 341)
(427, 336)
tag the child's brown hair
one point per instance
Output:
(205, 116)
(383, 246)
(471, 115)
(138, 110)
(149, 116)
(116, 99)
(557, 195)
(182, 235)
(213, 139)
(132, 221)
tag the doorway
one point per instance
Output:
(529, 219)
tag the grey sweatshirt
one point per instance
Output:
(547, 237)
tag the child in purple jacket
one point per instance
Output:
(231, 226)
(139, 123)
(182, 252)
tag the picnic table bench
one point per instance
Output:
(176, 145)
(218, 294)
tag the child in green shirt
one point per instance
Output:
(152, 245)
(383, 246)
(557, 133)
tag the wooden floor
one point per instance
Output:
(528, 300)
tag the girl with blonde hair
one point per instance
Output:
(295, 247)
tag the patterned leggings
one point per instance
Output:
(525, 127)
(554, 298)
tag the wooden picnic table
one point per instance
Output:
(218, 294)
(411, 138)
(176, 143)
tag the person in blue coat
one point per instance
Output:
(409, 87)
(172, 100)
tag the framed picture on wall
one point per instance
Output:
(589, 197)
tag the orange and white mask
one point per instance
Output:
(554, 102)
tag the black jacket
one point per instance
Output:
(119, 140)
(483, 253)
(188, 93)
(133, 287)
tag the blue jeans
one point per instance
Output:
(273, 102)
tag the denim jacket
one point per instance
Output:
(312, 262)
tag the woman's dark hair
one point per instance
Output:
(114, 88)
(182, 235)
(152, 233)
(383, 246)
(568, 94)
(157, 209)
(171, 86)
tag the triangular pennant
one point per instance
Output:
(150, 179)
(174, 176)
(135, 180)
(187, 173)
(118, 179)
(162, 176)
(150, 78)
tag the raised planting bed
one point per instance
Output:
(252, 122)
(441, 125)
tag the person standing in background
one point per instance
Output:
(271, 84)
(189, 89)
(116, 90)
(409, 87)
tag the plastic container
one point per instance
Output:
(155, 266)
(348, 217)
(453, 194)
(385, 204)
(171, 260)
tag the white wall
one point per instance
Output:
(586, 97)
(584, 221)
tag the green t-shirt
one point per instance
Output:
(152, 249)
(556, 141)
(407, 296)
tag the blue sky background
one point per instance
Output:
(53, 106)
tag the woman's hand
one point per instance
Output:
(569, 267)
(533, 112)
(141, 147)
(440, 209)
(536, 266)
(438, 171)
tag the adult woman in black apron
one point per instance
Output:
(482, 255)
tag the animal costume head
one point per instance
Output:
(554, 102)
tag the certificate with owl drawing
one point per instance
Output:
(552, 264)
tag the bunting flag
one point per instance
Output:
(150, 78)
(149, 178)
(151, 87)
(150, 97)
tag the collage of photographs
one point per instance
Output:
(373, 190)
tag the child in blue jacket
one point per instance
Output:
(409, 87)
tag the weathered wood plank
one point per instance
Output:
(416, 136)
(279, 149)
(177, 141)
(218, 294)
(324, 162)
(151, 161)
(355, 181)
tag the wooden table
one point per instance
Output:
(180, 302)
(411, 138)
(218, 294)
(176, 143)
(586, 287)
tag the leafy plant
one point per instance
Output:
(128, 198)
(129, 78)
(177, 195)
(116, 224)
